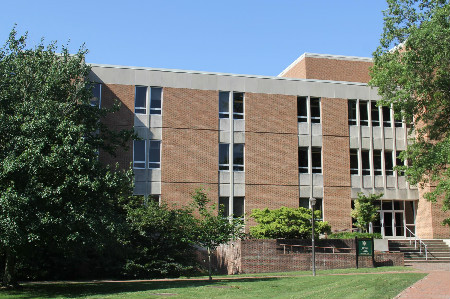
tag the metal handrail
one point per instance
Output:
(420, 243)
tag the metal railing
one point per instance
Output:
(420, 243)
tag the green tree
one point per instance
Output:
(53, 189)
(365, 211)
(160, 241)
(412, 72)
(212, 229)
(286, 223)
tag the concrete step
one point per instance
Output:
(409, 262)
(432, 254)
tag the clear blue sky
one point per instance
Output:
(259, 37)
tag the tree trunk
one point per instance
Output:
(9, 277)
(209, 264)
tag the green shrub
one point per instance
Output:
(349, 235)
(286, 223)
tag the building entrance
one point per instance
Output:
(396, 218)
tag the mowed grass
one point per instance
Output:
(363, 283)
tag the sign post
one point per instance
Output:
(364, 247)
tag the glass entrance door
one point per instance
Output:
(399, 224)
(387, 224)
(392, 224)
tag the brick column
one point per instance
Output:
(190, 144)
(271, 146)
(336, 164)
(120, 120)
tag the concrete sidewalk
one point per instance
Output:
(435, 285)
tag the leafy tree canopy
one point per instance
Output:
(286, 223)
(412, 71)
(53, 189)
(365, 210)
(212, 229)
(160, 240)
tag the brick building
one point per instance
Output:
(257, 141)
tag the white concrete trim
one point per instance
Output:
(242, 83)
(93, 65)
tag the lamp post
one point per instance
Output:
(312, 203)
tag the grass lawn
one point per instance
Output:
(289, 285)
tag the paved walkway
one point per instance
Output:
(435, 285)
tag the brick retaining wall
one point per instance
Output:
(259, 256)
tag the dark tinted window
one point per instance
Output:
(224, 156)
(302, 112)
(238, 105)
(315, 110)
(140, 99)
(365, 162)
(364, 117)
(224, 107)
(303, 159)
(238, 157)
(353, 161)
(352, 112)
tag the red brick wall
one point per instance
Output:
(429, 218)
(271, 145)
(120, 120)
(336, 164)
(331, 69)
(260, 256)
(189, 144)
(297, 71)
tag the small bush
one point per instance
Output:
(349, 235)
(286, 223)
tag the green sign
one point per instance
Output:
(365, 247)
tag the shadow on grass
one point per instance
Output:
(70, 290)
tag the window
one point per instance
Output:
(388, 163)
(238, 157)
(375, 115)
(238, 206)
(154, 154)
(139, 154)
(302, 111)
(224, 156)
(365, 162)
(352, 119)
(154, 198)
(377, 162)
(303, 160)
(399, 162)
(316, 156)
(140, 100)
(363, 113)
(96, 95)
(224, 107)
(386, 116)
(354, 161)
(304, 203)
(316, 159)
(224, 206)
(155, 100)
(315, 110)
(238, 105)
